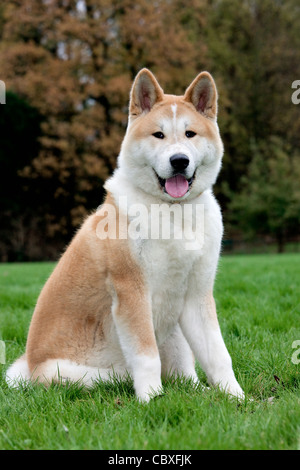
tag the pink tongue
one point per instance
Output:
(177, 186)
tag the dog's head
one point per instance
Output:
(172, 148)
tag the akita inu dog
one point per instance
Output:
(142, 304)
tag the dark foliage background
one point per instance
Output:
(68, 67)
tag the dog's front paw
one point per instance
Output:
(225, 380)
(233, 389)
(146, 391)
(147, 378)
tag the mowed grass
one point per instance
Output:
(258, 300)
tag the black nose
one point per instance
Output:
(179, 161)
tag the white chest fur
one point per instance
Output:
(169, 258)
(167, 266)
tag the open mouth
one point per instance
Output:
(176, 186)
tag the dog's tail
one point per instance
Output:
(55, 370)
(18, 372)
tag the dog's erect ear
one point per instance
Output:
(202, 93)
(145, 92)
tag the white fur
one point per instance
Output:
(63, 370)
(137, 160)
(146, 373)
(176, 356)
(18, 373)
(60, 370)
(174, 111)
(179, 280)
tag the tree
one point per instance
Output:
(269, 203)
(20, 126)
(74, 62)
(255, 51)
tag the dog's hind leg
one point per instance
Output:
(176, 356)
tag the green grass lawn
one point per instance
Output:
(258, 300)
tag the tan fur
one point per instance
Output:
(73, 312)
(147, 126)
(143, 95)
(116, 304)
(203, 85)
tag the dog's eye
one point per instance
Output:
(190, 134)
(158, 135)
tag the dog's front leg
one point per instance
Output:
(133, 320)
(200, 326)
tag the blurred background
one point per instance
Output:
(68, 67)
